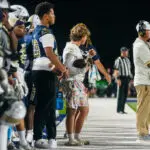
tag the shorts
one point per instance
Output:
(75, 93)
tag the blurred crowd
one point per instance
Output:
(110, 91)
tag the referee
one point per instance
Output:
(122, 73)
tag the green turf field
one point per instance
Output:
(132, 105)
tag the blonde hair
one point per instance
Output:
(78, 31)
(88, 41)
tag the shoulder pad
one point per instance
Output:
(45, 31)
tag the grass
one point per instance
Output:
(132, 105)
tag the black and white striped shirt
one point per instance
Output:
(123, 65)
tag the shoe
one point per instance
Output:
(84, 142)
(145, 138)
(65, 135)
(11, 146)
(73, 143)
(42, 143)
(125, 112)
(120, 112)
(52, 143)
(29, 137)
(25, 147)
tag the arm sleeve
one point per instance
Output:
(97, 56)
(47, 40)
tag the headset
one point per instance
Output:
(142, 30)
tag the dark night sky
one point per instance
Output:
(111, 23)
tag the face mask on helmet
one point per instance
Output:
(32, 22)
(21, 12)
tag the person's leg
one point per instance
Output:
(30, 116)
(76, 118)
(45, 109)
(83, 112)
(70, 123)
(125, 83)
(29, 120)
(81, 118)
(120, 93)
(51, 119)
(51, 124)
(72, 98)
(41, 84)
(51, 109)
(22, 133)
(143, 109)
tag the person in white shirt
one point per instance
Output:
(74, 89)
(141, 56)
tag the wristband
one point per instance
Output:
(95, 57)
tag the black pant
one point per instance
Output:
(45, 115)
(122, 94)
(31, 97)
